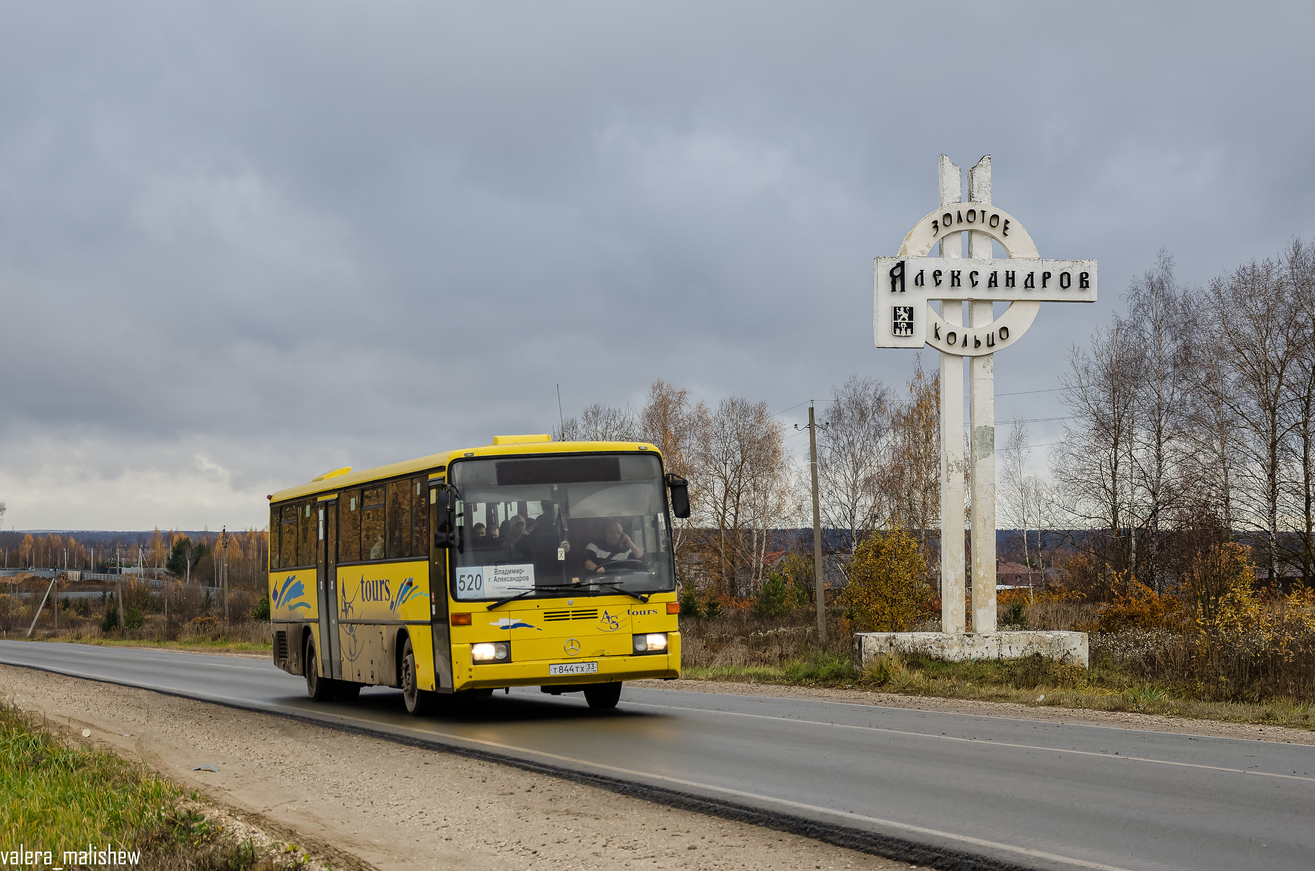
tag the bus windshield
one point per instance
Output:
(560, 525)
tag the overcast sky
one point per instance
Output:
(242, 244)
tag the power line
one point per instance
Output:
(1026, 392)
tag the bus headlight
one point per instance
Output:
(654, 642)
(491, 651)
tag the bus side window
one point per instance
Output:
(288, 544)
(399, 519)
(349, 526)
(273, 538)
(420, 517)
(306, 529)
(372, 523)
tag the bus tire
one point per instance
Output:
(346, 691)
(320, 689)
(418, 702)
(603, 696)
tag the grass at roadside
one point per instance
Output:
(200, 643)
(62, 797)
(205, 635)
(1034, 681)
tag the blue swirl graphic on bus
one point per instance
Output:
(513, 623)
(406, 593)
(287, 595)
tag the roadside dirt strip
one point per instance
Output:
(375, 803)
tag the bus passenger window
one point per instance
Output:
(306, 529)
(349, 526)
(420, 517)
(289, 539)
(372, 523)
(399, 519)
(274, 539)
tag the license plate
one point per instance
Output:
(573, 668)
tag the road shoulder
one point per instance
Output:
(1039, 713)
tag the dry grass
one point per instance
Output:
(60, 796)
(205, 633)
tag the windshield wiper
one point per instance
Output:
(523, 594)
(643, 597)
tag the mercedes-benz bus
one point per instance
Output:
(526, 562)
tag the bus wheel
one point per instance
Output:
(418, 701)
(320, 689)
(346, 691)
(602, 696)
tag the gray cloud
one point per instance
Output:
(244, 244)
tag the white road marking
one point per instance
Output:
(982, 742)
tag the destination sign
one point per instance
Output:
(904, 285)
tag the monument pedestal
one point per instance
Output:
(1069, 648)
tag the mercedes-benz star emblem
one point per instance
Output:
(572, 647)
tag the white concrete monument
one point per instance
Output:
(907, 289)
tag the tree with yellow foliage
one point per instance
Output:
(887, 589)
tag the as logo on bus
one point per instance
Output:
(608, 622)
(375, 591)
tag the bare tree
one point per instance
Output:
(911, 480)
(1257, 329)
(600, 423)
(1020, 489)
(852, 446)
(745, 479)
(1091, 467)
(675, 427)
(1299, 266)
(1157, 326)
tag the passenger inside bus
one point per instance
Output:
(611, 549)
(515, 532)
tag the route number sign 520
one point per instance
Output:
(470, 582)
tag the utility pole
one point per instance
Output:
(223, 566)
(817, 530)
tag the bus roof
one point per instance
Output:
(507, 445)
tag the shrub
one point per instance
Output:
(1013, 613)
(822, 668)
(773, 597)
(111, 621)
(134, 619)
(887, 589)
(1217, 573)
(260, 610)
(1139, 607)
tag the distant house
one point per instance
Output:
(1013, 576)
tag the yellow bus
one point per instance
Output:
(526, 562)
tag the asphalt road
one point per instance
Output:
(1015, 793)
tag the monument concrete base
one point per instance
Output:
(1065, 647)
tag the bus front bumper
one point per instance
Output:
(540, 672)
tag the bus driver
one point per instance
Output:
(615, 547)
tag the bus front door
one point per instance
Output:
(327, 565)
(438, 601)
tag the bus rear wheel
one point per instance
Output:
(320, 689)
(602, 696)
(418, 702)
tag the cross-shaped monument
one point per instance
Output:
(907, 290)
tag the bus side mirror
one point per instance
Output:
(445, 536)
(679, 495)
